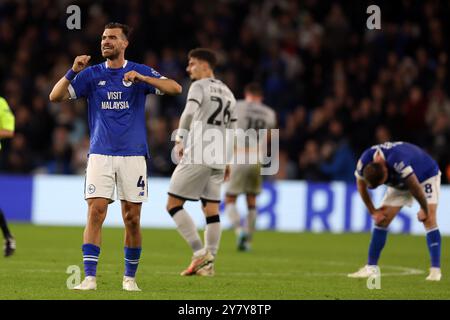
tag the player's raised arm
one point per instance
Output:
(416, 190)
(60, 91)
(164, 85)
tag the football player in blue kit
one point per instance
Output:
(115, 90)
(409, 173)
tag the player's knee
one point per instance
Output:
(170, 206)
(384, 224)
(97, 211)
(251, 202)
(172, 210)
(230, 199)
(210, 208)
(97, 215)
(173, 203)
(131, 220)
(431, 222)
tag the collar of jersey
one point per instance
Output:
(122, 67)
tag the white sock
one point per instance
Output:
(233, 215)
(187, 229)
(212, 234)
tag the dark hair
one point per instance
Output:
(374, 173)
(204, 55)
(126, 30)
(254, 88)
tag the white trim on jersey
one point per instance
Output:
(358, 176)
(124, 65)
(379, 152)
(72, 93)
(406, 172)
(157, 91)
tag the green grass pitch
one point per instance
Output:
(287, 266)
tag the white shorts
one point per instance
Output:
(195, 181)
(129, 174)
(244, 178)
(400, 198)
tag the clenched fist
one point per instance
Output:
(133, 76)
(80, 63)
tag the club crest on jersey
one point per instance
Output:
(127, 83)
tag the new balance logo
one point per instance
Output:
(101, 83)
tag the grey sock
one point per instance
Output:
(233, 216)
(212, 235)
(186, 227)
(251, 222)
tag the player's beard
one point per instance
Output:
(111, 56)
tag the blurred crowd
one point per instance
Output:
(336, 86)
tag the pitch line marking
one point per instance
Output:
(403, 271)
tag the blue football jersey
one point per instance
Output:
(116, 108)
(402, 160)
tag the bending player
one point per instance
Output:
(246, 178)
(409, 173)
(116, 90)
(210, 106)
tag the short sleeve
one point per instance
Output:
(400, 164)
(7, 120)
(79, 87)
(195, 93)
(150, 72)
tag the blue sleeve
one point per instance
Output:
(80, 86)
(400, 163)
(150, 72)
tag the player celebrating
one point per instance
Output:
(210, 106)
(246, 178)
(409, 173)
(7, 123)
(115, 90)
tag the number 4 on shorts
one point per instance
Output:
(141, 182)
